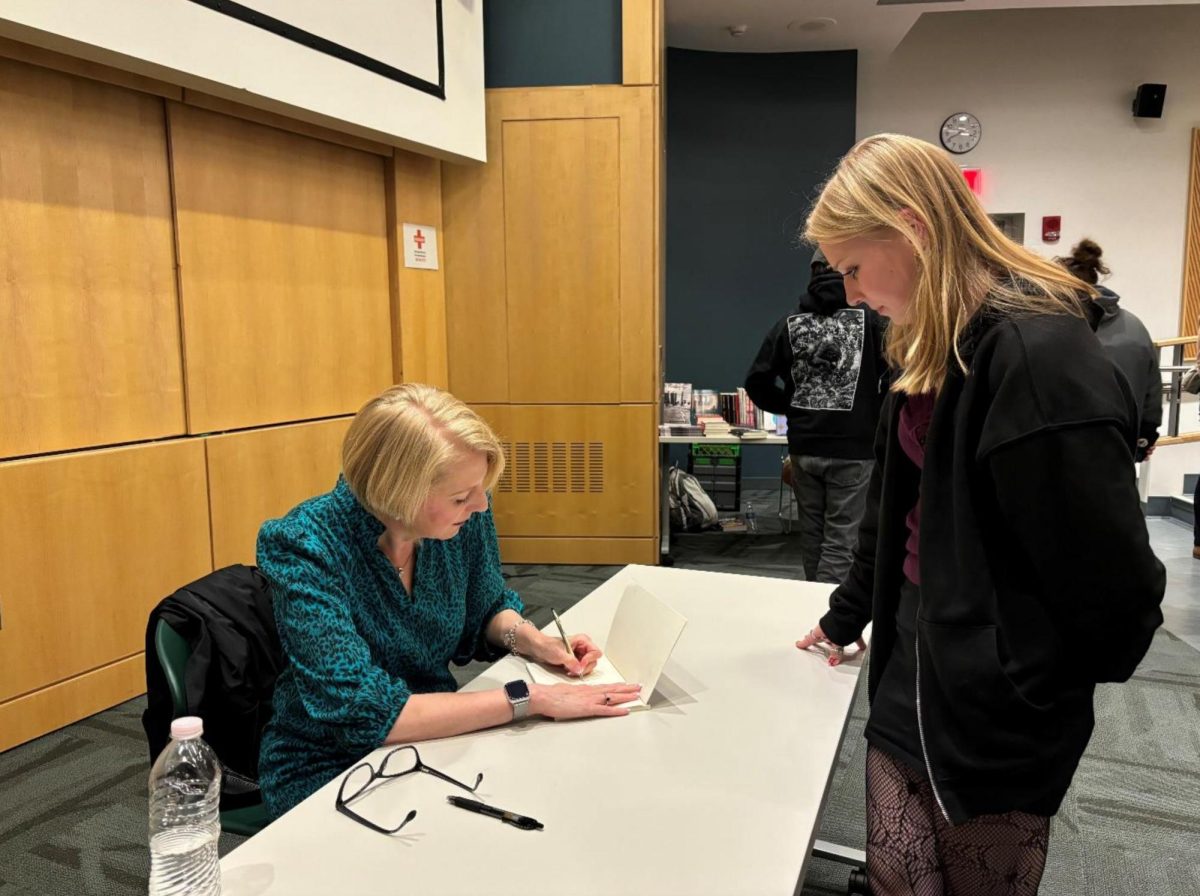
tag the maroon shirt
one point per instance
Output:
(915, 414)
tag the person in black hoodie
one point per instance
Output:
(1127, 342)
(1004, 457)
(829, 358)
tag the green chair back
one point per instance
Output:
(173, 652)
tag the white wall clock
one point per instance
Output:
(961, 132)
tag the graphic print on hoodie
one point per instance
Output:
(822, 366)
(827, 353)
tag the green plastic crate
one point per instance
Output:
(730, 451)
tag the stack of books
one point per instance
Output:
(714, 425)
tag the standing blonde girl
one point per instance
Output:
(1003, 556)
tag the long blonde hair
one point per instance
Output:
(404, 440)
(963, 260)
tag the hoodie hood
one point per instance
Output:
(826, 293)
(1107, 302)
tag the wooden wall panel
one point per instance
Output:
(553, 305)
(36, 713)
(528, 260)
(641, 245)
(576, 470)
(476, 311)
(1190, 306)
(89, 543)
(283, 272)
(414, 196)
(585, 551)
(563, 259)
(84, 68)
(261, 474)
(642, 41)
(88, 312)
(283, 123)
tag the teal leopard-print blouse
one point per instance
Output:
(357, 643)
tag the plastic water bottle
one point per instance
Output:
(185, 796)
(751, 519)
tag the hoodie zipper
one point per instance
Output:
(921, 733)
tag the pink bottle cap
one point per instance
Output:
(186, 727)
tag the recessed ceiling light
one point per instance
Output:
(822, 23)
(737, 30)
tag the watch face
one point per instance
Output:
(517, 690)
(961, 132)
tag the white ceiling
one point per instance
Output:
(865, 25)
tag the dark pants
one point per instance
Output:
(1196, 516)
(830, 493)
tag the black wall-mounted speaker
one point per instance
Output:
(1148, 102)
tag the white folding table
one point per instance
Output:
(717, 789)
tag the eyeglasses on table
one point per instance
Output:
(396, 764)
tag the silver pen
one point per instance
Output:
(562, 634)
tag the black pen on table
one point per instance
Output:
(524, 822)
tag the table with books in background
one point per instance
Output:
(715, 425)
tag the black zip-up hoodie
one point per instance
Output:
(1037, 576)
(830, 359)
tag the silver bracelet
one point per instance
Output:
(510, 637)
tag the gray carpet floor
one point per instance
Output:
(73, 803)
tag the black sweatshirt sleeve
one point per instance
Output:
(1152, 402)
(1070, 497)
(850, 603)
(772, 363)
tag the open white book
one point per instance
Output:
(643, 634)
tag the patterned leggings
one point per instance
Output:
(913, 851)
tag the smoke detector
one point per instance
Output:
(823, 23)
(737, 30)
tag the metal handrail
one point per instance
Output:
(1176, 340)
(1184, 439)
(1173, 387)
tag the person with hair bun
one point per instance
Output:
(1003, 559)
(1126, 340)
(381, 583)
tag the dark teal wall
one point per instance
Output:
(543, 43)
(750, 139)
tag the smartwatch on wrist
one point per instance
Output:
(517, 693)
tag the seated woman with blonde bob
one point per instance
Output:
(381, 583)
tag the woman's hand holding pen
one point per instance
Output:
(573, 701)
(579, 701)
(552, 653)
(817, 638)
